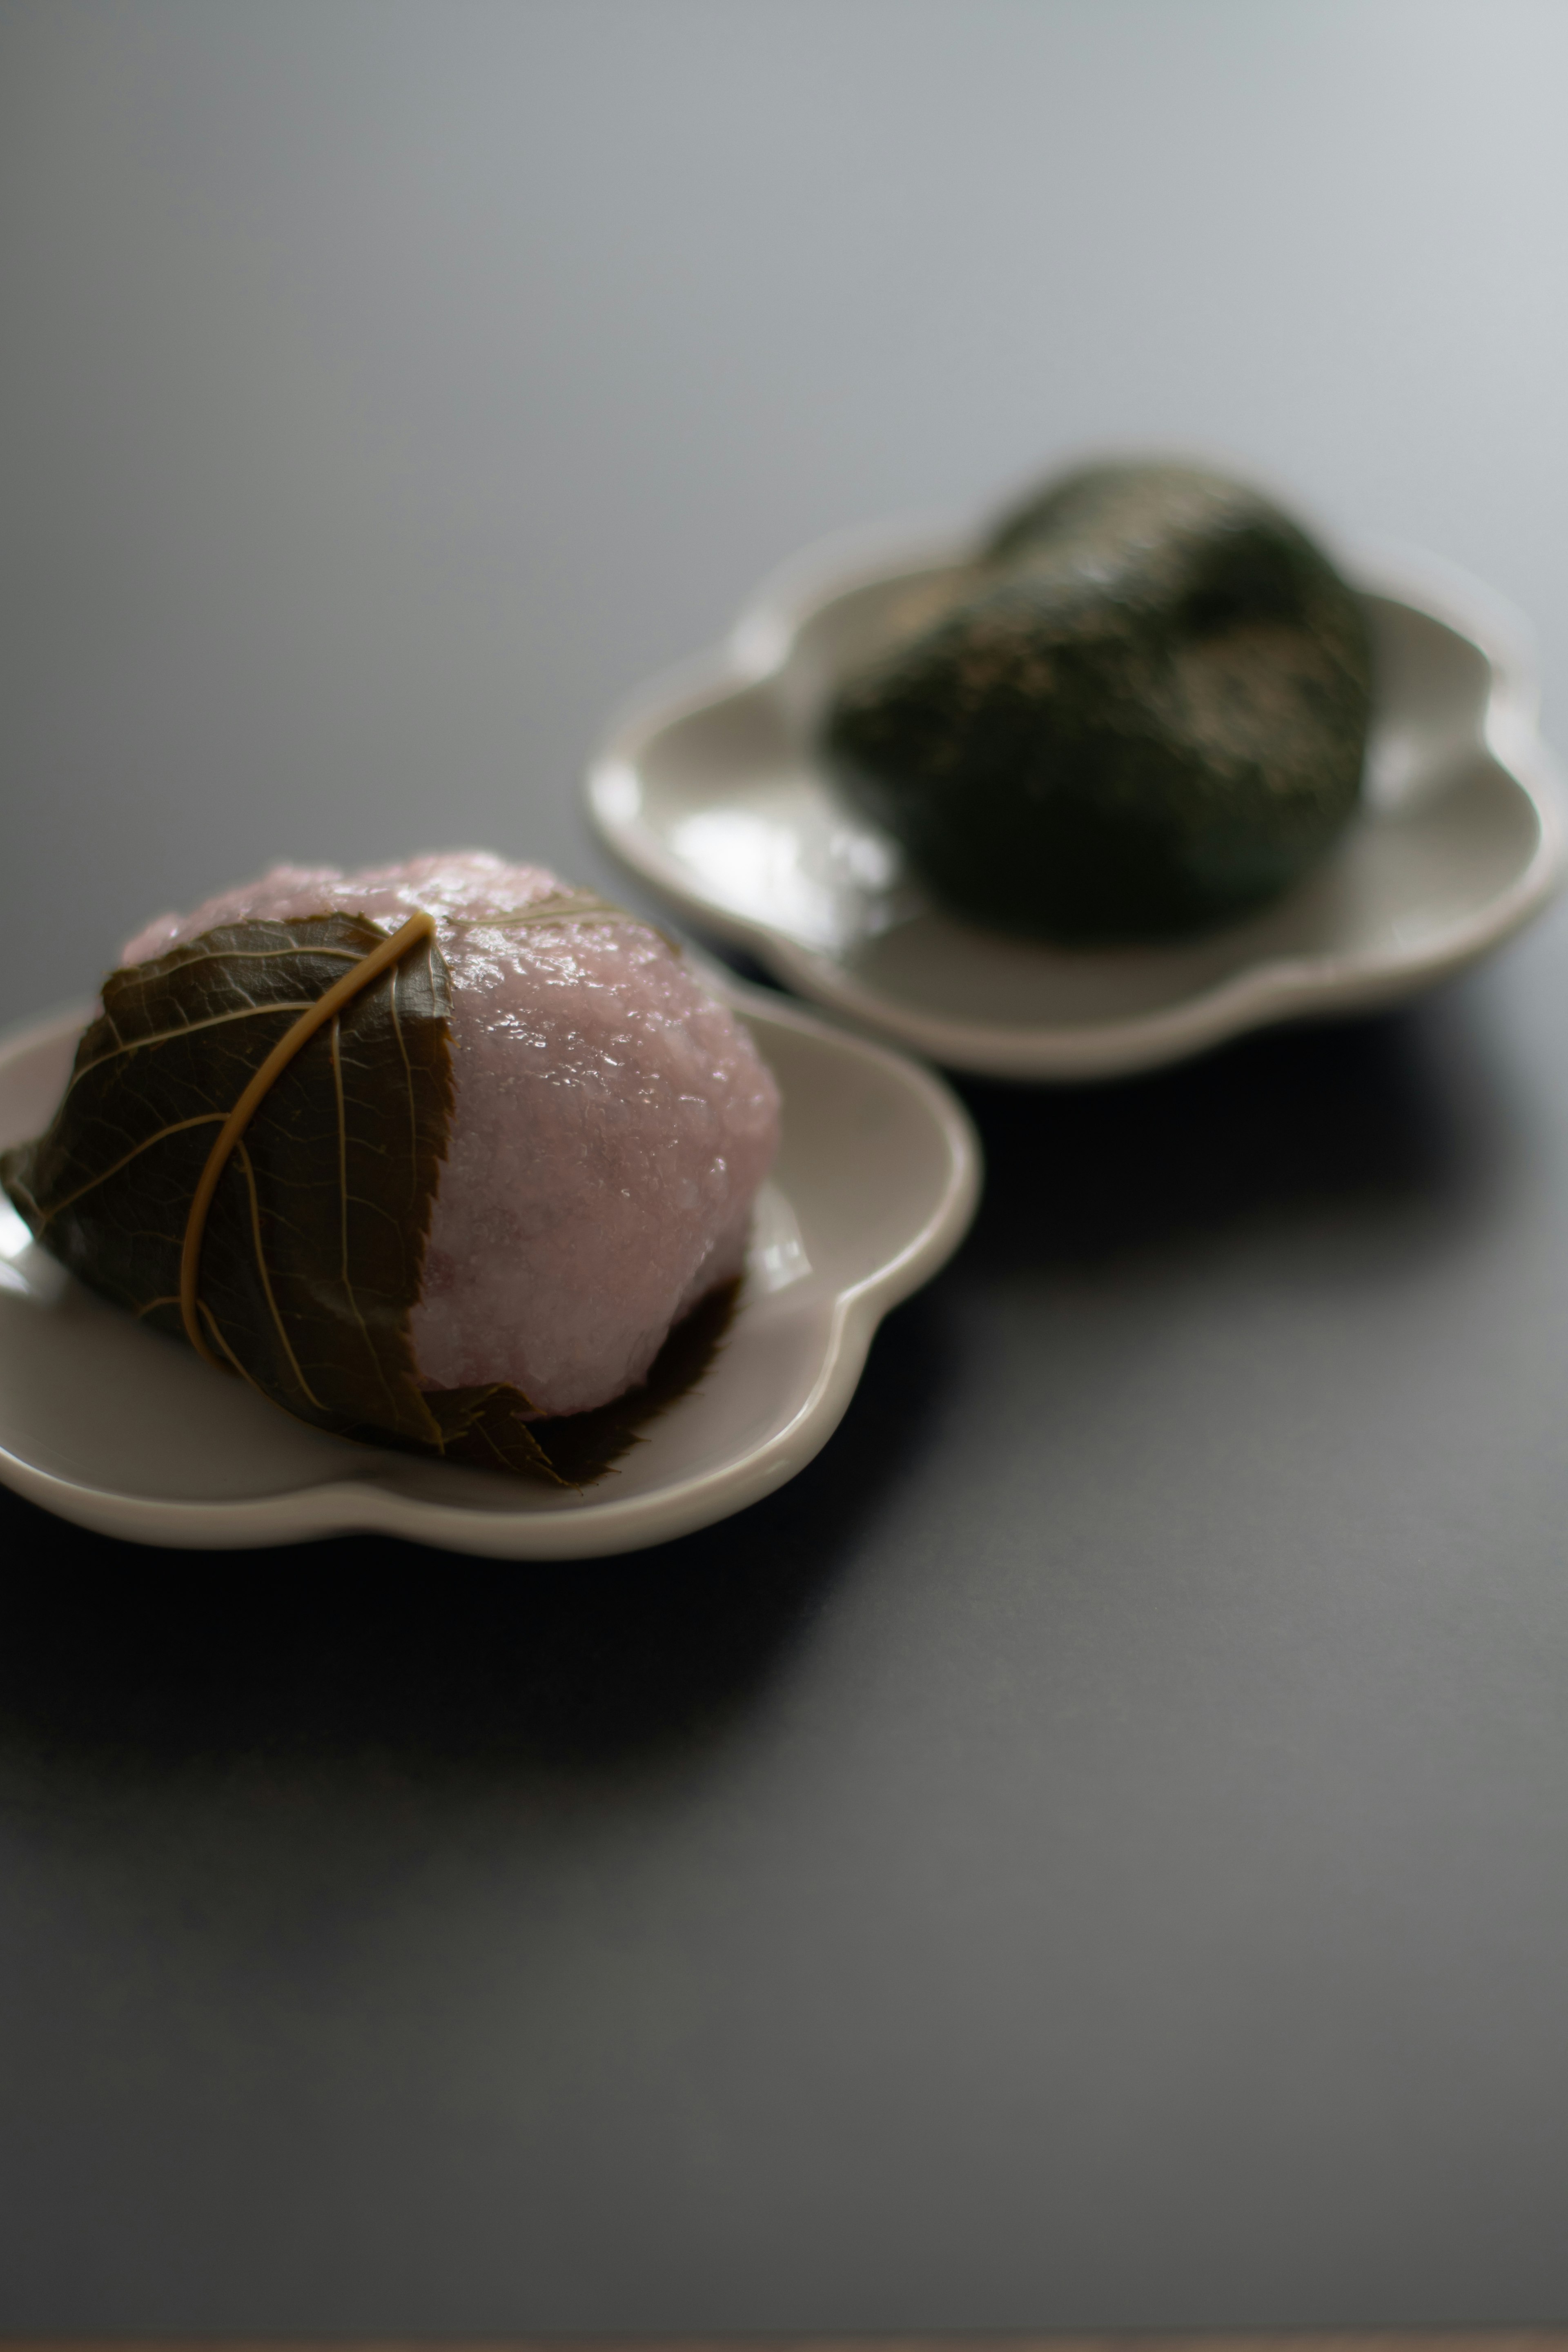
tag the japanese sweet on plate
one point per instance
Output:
(436, 1155)
(1145, 713)
(717, 787)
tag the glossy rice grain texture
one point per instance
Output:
(611, 1127)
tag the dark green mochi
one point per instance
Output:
(1148, 713)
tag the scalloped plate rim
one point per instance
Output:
(1274, 990)
(360, 1506)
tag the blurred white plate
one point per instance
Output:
(711, 791)
(125, 1431)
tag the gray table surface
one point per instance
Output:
(1094, 1850)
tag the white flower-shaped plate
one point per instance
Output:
(711, 791)
(125, 1431)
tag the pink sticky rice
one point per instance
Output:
(611, 1126)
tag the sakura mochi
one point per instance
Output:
(435, 1155)
(611, 1125)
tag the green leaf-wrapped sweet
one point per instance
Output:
(1146, 714)
(303, 1273)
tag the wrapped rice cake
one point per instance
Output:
(480, 1188)
(1145, 713)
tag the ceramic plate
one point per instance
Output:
(711, 791)
(126, 1431)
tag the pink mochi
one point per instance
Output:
(612, 1126)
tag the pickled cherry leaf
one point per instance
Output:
(314, 1245)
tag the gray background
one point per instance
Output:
(1094, 1851)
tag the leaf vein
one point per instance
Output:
(408, 1088)
(374, 1351)
(207, 1118)
(145, 976)
(250, 1011)
(245, 1161)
